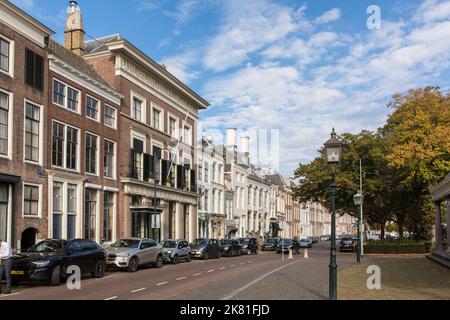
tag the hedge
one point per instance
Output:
(419, 247)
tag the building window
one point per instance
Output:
(206, 200)
(213, 172)
(109, 157)
(138, 155)
(4, 55)
(59, 93)
(136, 109)
(172, 127)
(90, 206)
(32, 121)
(34, 70)
(64, 146)
(92, 108)
(58, 144)
(72, 99)
(110, 117)
(57, 210)
(4, 122)
(4, 203)
(156, 119)
(200, 171)
(108, 215)
(206, 171)
(30, 200)
(71, 210)
(200, 203)
(91, 153)
(187, 135)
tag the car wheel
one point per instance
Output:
(188, 258)
(219, 255)
(55, 277)
(133, 265)
(100, 268)
(175, 259)
(159, 261)
(205, 256)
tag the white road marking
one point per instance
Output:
(9, 295)
(137, 290)
(211, 270)
(110, 298)
(241, 263)
(222, 268)
(182, 278)
(165, 267)
(235, 292)
(161, 283)
(197, 274)
(233, 265)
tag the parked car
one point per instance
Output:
(48, 260)
(174, 250)
(311, 239)
(230, 247)
(347, 244)
(270, 244)
(249, 245)
(305, 243)
(325, 238)
(287, 244)
(130, 253)
(205, 248)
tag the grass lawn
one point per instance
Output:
(402, 278)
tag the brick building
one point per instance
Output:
(23, 108)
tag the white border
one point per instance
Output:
(11, 56)
(41, 132)
(115, 118)
(64, 166)
(66, 96)
(39, 215)
(99, 111)
(97, 160)
(114, 177)
(10, 124)
(134, 95)
(161, 117)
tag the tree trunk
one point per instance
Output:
(383, 229)
(400, 230)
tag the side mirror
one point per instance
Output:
(69, 251)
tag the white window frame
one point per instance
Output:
(133, 96)
(143, 138)
(175, 151)
(39, 215)
(64, 166)
(41, 132)
(190, 134)
(97, 160)
(177, 128)
(10, 124)
(114, 212)
(114, 126)
(66, 96)
(99, 111)
(11, 56)
(114, 177)
(161, 117)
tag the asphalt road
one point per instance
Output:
(255, 277)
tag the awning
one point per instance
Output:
(9, 178)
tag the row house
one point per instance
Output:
(158, 124)
(210, 179)
(23, 108)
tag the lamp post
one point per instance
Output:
(333, 148)
(358, 199)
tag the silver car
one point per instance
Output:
(130, 253)
(175, 250)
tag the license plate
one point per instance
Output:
(109, 262)
(18, 273)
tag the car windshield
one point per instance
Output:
(169, 244)
(200, 242)
(346, 240)
(48, 246)
(287, 242)
(226, 242)
(270, 241)
(126, 243)
(245, 241)
(304, 240)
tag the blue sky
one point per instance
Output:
(294, 68)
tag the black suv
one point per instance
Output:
(347, 244)
(205, 248)
(49, 260)
(230, 247)
(248, 245)
(287, 244)
(270, 244)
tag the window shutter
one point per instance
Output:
(180, 176)
(164, 171)
(146, 166)
(133, 173)
(29, 67)
(193, 181)
(138, 145)
(39, 73)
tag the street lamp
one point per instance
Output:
(358, 199)
(333, 148)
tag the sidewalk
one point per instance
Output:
(403, 277)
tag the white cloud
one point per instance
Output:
(433, 10)
(329, 16)
(26, 4)
(247, 28)
(180, 66)
(147, 6)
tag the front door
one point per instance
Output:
(28, 239)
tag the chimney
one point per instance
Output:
(245, 148)
(231, 137)
(74, 34)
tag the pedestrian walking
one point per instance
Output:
(5, 265)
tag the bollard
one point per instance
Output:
(290, 254)
(305, 254)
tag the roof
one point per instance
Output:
(75, 61)
(99, 45)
